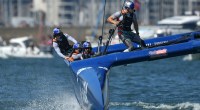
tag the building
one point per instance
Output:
(88, 12)
(62, 12)
(78, 12)
(155, 10)
(11, 9)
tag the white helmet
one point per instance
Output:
(129, 5)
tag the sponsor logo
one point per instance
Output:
(158, 53)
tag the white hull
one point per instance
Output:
(16, 52)
(3, 56)
(19, 48)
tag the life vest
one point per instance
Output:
(63, 44)
(126, 22)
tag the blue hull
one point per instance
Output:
(90, 76)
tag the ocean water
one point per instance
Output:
(45, 84)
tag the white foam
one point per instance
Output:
(185, 105)
(64, 101)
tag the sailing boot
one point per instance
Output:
(143, 45)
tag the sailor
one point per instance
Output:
(123, 20)
(87, 50)
(61, 43)
(76, 52)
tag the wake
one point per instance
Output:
(63, 101)
(150, 106)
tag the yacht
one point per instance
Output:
(23, 47)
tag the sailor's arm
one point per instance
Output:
(135, 23)
(57, 49)
(71, 38)
(111, 19)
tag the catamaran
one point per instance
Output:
(91, 76)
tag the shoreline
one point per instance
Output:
(78, 33)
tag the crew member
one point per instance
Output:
(76, 52)
(61, 43)
(87, 50)
(124, 19)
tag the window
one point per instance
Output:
(68, 7)
(15, 44)
(67, 0)
(69, 16)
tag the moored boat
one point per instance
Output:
(23, 47)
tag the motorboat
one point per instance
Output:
(23, 47)
(91, 76)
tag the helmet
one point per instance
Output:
(56, 31)
(86, 45)
(77, 46)
(129, 5)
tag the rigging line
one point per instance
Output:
(101, 37)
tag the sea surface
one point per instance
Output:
(45, 84)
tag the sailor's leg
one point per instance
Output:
(127, 42)
(143, 45)
(135, 38)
